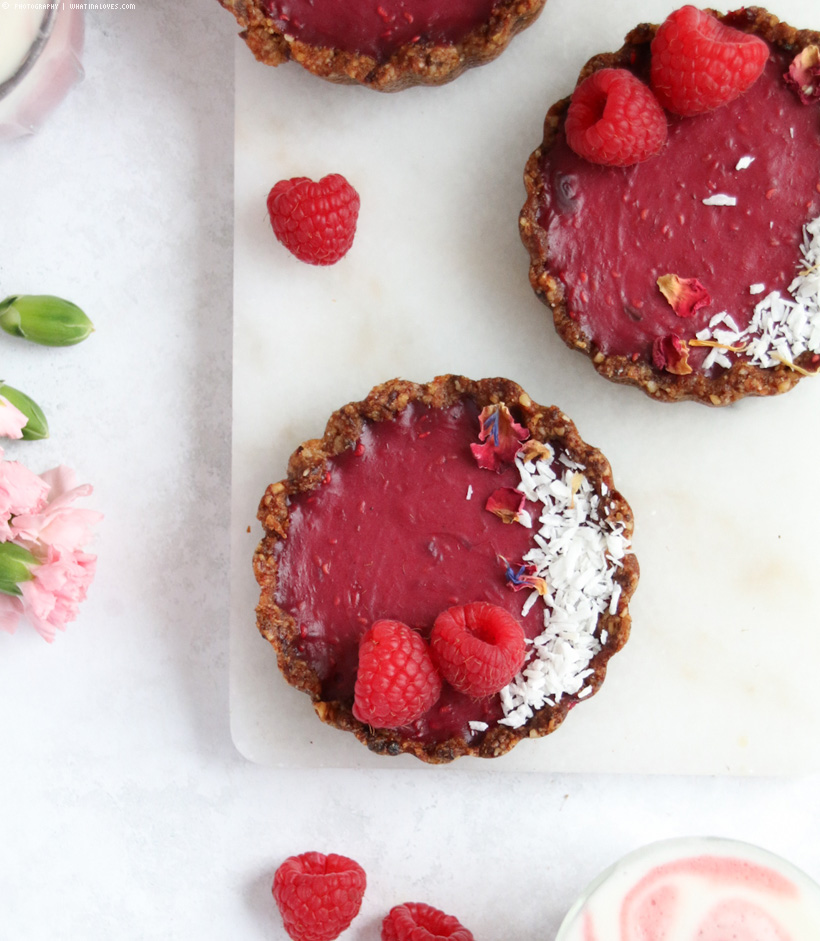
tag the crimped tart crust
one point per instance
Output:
(419, 63)
(743, 378)
(308, 471)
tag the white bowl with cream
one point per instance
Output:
(40, 53)
(697, 889)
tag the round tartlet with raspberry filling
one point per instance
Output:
(422, 498)
(386, 45)
(691, 274)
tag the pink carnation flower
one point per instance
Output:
(12, 420)
(21, 491)
(52, 598)
(56, 522)
(36, 512)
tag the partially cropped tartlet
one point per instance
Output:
(424, 503)
(387, 45)
(691, 272)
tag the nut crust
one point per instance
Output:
(742, 379)
(423, 63)
(306, 471)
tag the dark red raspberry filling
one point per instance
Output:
(614, 231)
(391, 534)
(377, 28)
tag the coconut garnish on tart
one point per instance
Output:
(693, 272)
(462, 546)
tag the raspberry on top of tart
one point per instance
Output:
(387, 45)
(435, 524)
(692, 272)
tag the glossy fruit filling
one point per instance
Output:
(377, 28)
(614, 231)
(399, 530)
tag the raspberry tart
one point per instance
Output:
(434, 526)
(689, 267)
(387, 45)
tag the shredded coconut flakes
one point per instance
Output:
(781, 327)
(720, 199)
(578, 552)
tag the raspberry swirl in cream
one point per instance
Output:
(697, 890)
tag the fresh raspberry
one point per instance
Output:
(478, 648)
(614, 119)
(318, 896)
(396, 681)
(699, 64)
(415, 921)
(315, 221)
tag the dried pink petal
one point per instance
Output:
(501, 437)
(523, 577)
(671, 354)
(534, 450)
(804, 74)
(506, 503)
(685, 295)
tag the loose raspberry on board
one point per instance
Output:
(415, 921)
(615, 120)
(698, 63)
(478, 648)
(315, 221)
(396, 681)
(318, 896)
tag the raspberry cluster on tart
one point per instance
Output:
(422, 498)
(386, 45)
(691, 273)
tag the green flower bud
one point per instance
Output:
(15, 567)
(36, 427)
(44, 319)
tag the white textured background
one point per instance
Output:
(125, 811)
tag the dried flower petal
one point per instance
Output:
(534, 450)
(804, 74)
(685, 295)
(523, 577)
(501, 435)
(506, 503)
(671, 354)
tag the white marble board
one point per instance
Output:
(719, 674)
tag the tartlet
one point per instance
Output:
(390, 515)
(386, 45)
(732, 202)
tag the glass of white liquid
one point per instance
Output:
(40, 48)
